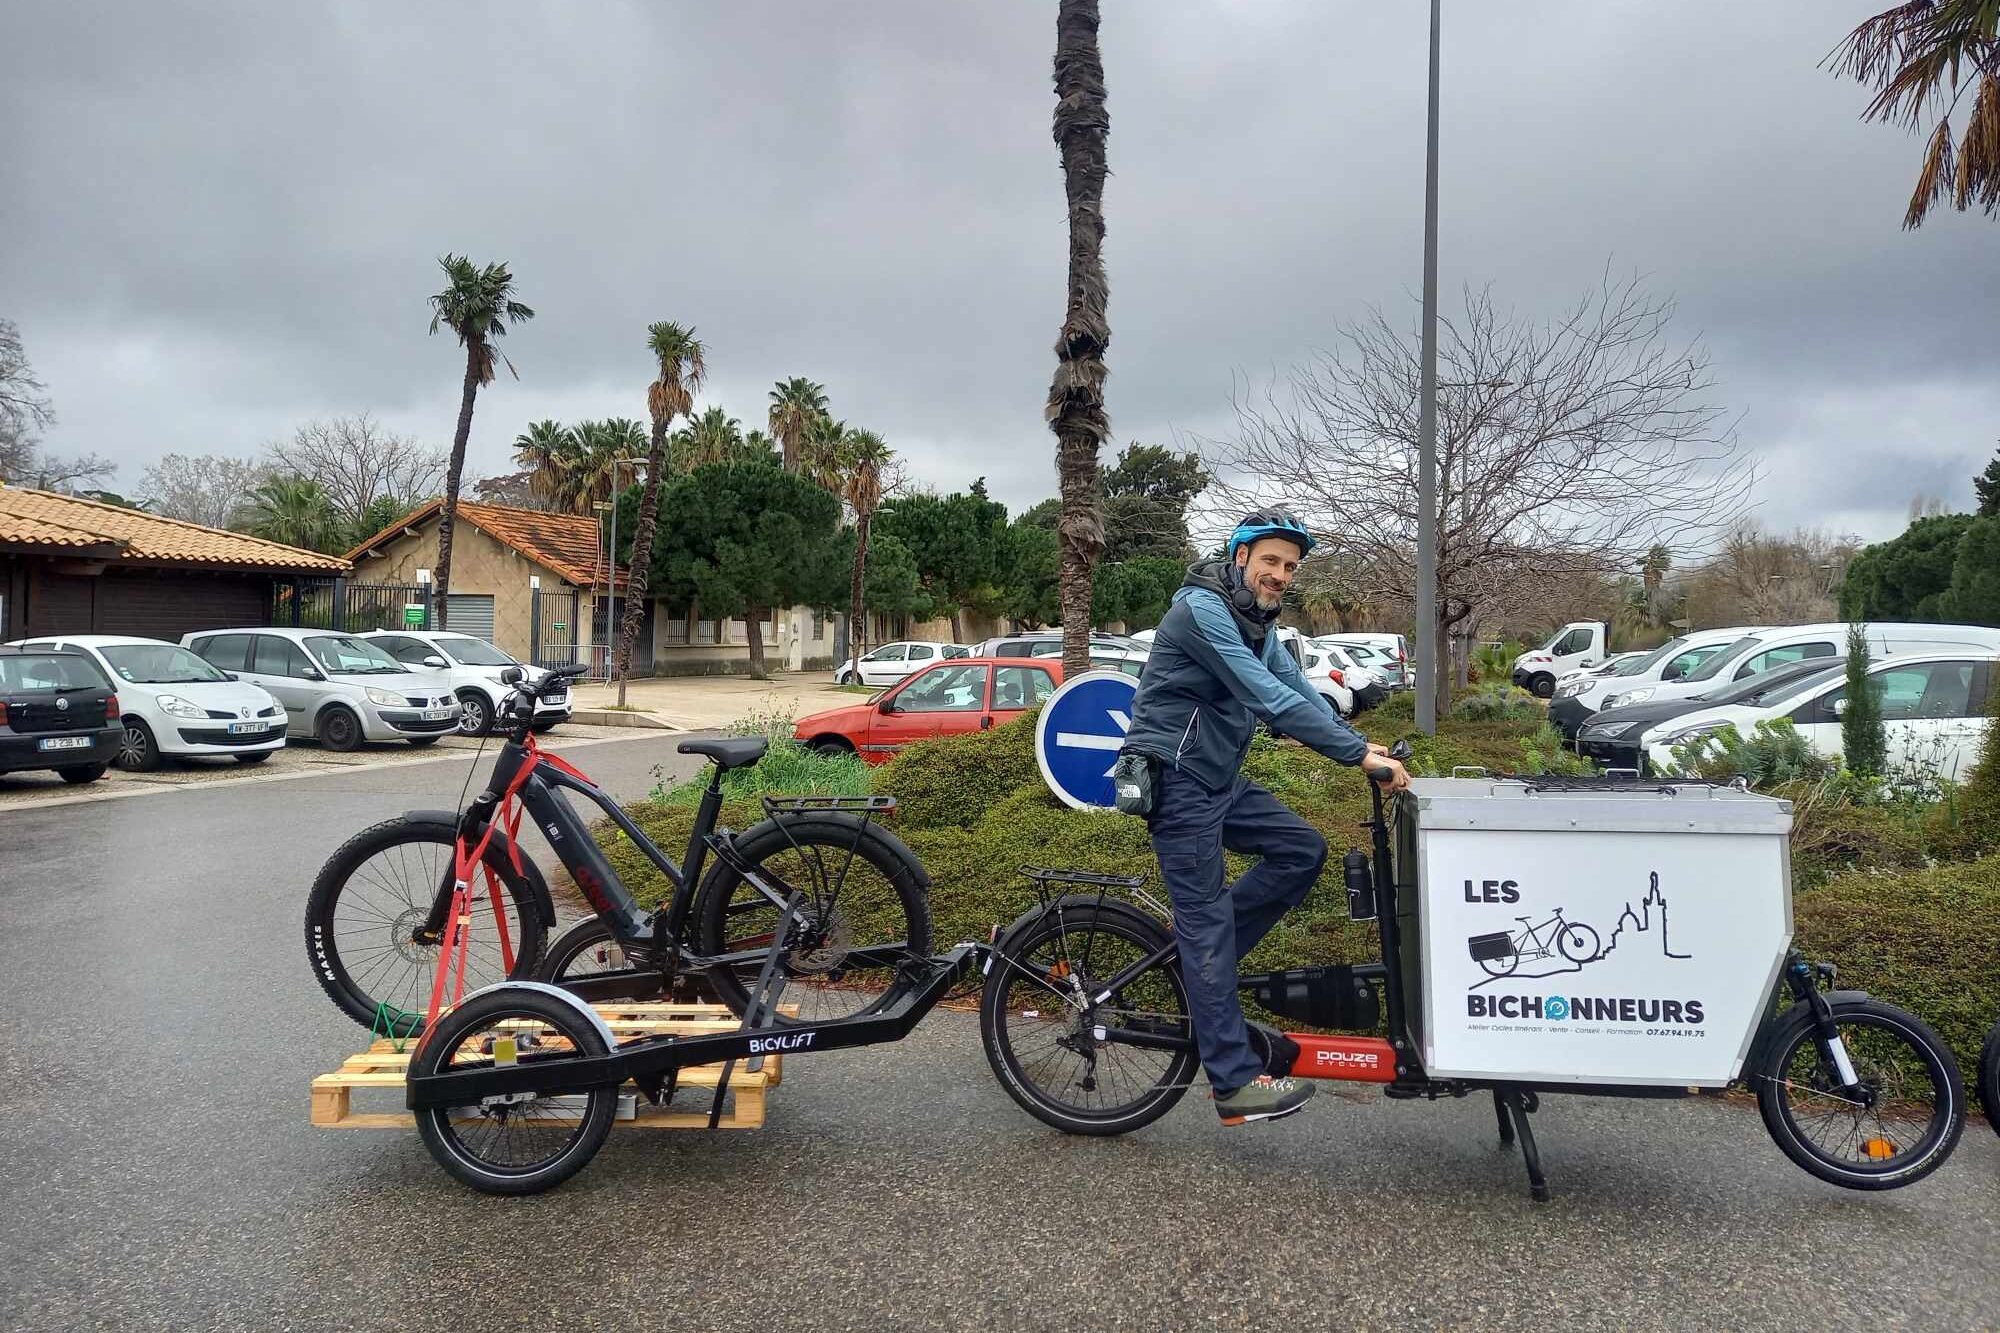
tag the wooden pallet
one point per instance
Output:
(382, 1067)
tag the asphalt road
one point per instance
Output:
(160, 1029)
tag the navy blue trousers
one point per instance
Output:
(1216, 924)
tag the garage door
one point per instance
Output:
(470, 613)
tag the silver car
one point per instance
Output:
(338, 688)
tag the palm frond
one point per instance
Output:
(1935, 178)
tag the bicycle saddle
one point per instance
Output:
(728, 751)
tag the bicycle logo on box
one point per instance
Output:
(1557, 945)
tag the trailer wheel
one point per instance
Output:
(1989, 1078)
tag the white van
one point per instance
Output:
(1759, 650)
(1577, 644)
(1577, 699)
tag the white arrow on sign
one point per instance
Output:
(1084, 740)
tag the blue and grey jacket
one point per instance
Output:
(1213, 671)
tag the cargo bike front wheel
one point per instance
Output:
(1879, 1107)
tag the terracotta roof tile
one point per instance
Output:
(43, 518)
(565, 543)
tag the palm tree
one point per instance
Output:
(680, 358)
(477, 304)
(1924, 56)
(865, 455)
(547, 451)
(712, 437)
(294, 510)
(1075, 409)
(796, 404)
(823, 454)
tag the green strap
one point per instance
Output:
(387, 1017)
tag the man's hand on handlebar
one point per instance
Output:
(1387, 773)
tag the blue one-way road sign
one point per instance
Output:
(1078, 735)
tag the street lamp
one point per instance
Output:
(1427, 424)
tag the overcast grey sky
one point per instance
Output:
(218, 220)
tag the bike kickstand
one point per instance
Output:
(1506, 1125)
(1531, 1156)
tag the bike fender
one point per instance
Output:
(1075, 902)
(538, 888)
(583, 1010)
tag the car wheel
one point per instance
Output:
(339, 730)
(1543, 684)
(79, 774)
(832, 746)
(1334, 704)
(138, 752)
(257, 758)
(843, 676)
(477, 714)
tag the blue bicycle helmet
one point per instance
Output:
(1276, 521)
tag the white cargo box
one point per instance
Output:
(1627, 934)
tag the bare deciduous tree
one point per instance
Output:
(25, 412)
(207, 488)
(1758, 578)
(357, 461)
(1566, 448)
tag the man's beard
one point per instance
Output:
(1267, 601)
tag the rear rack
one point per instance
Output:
(1045, 875)
(1615, 780)
(798, 805)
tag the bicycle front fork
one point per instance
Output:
(1804, 979)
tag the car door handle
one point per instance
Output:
(986, 722)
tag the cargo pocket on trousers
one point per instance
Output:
(1192, 868)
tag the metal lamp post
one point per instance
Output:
(1427, 515)
(611, 575)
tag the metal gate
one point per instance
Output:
(555, 628)
(369, 606)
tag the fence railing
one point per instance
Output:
(345, 607)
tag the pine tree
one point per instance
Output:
(1987, 484)
(1862, 744)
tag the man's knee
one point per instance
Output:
(1305, 848)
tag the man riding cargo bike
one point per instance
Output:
(1214, 672)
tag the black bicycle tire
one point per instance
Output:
(434, 1124)
(1141, 931)
(876, 845)
(1989, 1078)
(1938, 1144)
(323, 949)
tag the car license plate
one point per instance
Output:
(65, 743)
(436, 714)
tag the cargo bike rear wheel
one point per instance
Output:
(1893, 1126)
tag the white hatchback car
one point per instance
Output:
(175, 705)
(471, 667)
(339, 688)
(893, 661)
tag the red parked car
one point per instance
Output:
(960, 695)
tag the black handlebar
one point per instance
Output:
(1400, 752)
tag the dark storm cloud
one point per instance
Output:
(219, 221)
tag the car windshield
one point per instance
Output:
(343, 655)
(473, 652)
(1775, 684)
(158, 664)
(1657, 656)
(1632, 665)
(49, 671)
(1712, 668)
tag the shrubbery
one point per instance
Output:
(1498, 703)
(1773, 754)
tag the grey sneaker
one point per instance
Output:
(1265, 1098)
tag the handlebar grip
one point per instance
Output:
(1378, 774)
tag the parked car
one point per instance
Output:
(1033, 643)
(471, 667)
(942, 699)
(893, 661)
(57, 711)
(1577, 644)
(177, 705)
(1615, 738)
(339, 688)
(1379, 662)
(1575, 702)
(1759, 650)
(1130, 661)
(1389, 647)
(1618, 664)
(1933, 713)
(1341, 680)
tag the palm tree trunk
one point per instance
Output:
(448, 520)
(753, 634)
(862, 522)
(788, 449)
(638, 569)
(1076, 396)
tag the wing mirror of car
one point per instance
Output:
(313, 673)
(1840, 708)
(1671, 673)
(434, 661)
(512, 675)
(886, 704)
